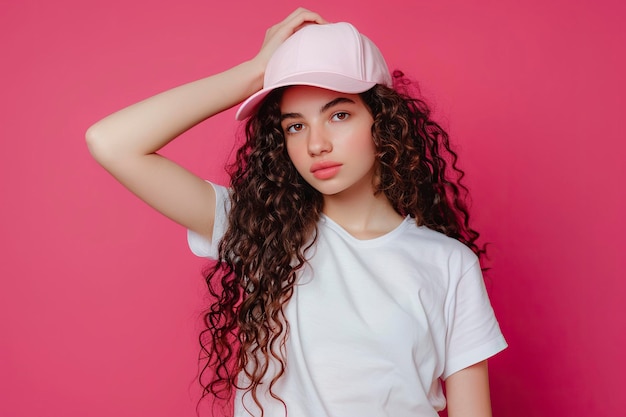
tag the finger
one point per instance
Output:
(301, 12)
(278, 33)
(298, 19)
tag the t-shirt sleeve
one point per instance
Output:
(201, 246)
(473, 331)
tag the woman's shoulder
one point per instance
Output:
(438, 244)
(220, 189)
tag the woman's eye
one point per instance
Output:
(340, 116)
(294, 128)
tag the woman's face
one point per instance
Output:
(329, 139)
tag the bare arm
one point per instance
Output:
(467, 392)
(125, 143)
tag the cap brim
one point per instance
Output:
(329, 81)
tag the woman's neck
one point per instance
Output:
(364, 215)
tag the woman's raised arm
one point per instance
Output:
(125, 143)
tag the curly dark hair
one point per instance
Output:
(273, 220)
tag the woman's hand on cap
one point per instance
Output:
(278, 33)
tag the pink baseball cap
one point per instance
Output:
(334, 56)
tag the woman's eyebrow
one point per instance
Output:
(290, 116)
(338, 100)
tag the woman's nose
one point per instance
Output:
(319, 142)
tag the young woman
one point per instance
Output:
(347, 281)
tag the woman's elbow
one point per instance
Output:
(97, 143)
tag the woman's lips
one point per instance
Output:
(325, 170)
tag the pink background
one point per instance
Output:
(99, 295)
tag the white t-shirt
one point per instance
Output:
(375, 324)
